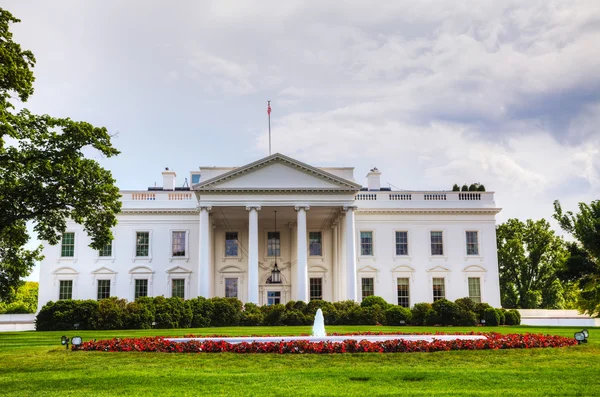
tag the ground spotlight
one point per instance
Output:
(76, 341)
(64, 340)
(582, 336)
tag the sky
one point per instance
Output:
(431, 93)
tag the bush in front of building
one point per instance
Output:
(112, 314)
(397, 315)
(491, 316)
(373, 300)
(227, 312)
(447, 311)
(202, 310)
(67, 315)
(252, 315)
(419, 313)
(513, 317)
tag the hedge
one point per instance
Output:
(160, 312)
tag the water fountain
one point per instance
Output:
(319, 335)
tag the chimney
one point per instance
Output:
(374, 180)
(168, 179)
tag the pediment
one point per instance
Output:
(368, 269)
(65, 270)
(317, 269)
(230, 269)
(104, 270)
(277, 173)
(179, 270)
(438, 269)
(474, 268)
(141, 270)
(403, 269)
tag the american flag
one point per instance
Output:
(269, 108)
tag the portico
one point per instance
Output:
(282, 212)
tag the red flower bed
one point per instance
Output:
(494, 341)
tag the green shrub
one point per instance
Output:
(419, 312)
(501, 316)
(455, 188)
(480, 309)
(314, 305)
(465, 188)
(65, 314)
(491, 317)
(344, 311)
(112, 314)
(466, 318)
(374, 300)
(481, 188)
(202, 310)
(300, 306)
(252, 315)
(447, 311)
(513, 317)
(139, 315)
(372, 315)
(397, 315)
(18, 308)
(331, 315)
(226, 312)
(432, 318)
(294, 317)
(273, 314)
(466, 304)
(172, 313)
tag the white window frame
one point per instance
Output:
(232, 272)
(475, 271)
(317, 271)
(480, 287)
(439, 272)
(408, 244)
(410, 301)
(239, 287)
(445, 288)
(104, 273)
(140, 273)
(373, 234)
(404, 271)
(274, 287)
(65, 273)
(172, 258)
(107, 258)
(143, 258)
(239, 239)
(179, 272)
(322, 243)
(444, 245)
(479, 245)
(266, 243)
(73, 258)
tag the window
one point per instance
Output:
(65, 290)
(273, 244)
(231, 243)
(195, 178)
(472, 243)
(316, 289)
(141, 288)
(106, 251)
(67, 249)
(366, 243)
(367, 287)
(103, 289)
(231, 288)
(178, 288)
(475, 289)
(403, 292)
(401, 243)
(439, 289)
(273, 297)
(437, 243)
(314, 244)
(178, 244)
(142, 243)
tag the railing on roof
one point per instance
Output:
(153, 196)
(424, 196)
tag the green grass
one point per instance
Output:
(34, 363)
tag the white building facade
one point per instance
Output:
(277, 230)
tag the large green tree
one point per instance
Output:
(583, 266)
(529, 255)
(45, 178)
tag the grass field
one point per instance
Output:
(34, 363)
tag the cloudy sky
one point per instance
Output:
(430, 92)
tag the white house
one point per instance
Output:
(277, 230)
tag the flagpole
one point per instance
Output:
(269, 113)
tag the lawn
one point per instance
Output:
(34, 363)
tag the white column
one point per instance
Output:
(253, 253)
(302, 265)
(204, 253)
(350, 255)
(336, 265)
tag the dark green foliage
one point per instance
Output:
(397, 315)
(466, 304)
(64, 314)
(172, 313)
(466, 317)
(480, 309)
(455, 188)
(501, 317)
(16, 308)
(447, 311)
(21, 300)
(465, 188)
(473, 187)
(371, 315)
(481, 188)
(491, 317)
(252, 315)
(273, 314)
(45, 176)
(513, 317)
(139, 316)
(300, 306)
(432, 318)
(226, 312)
(374, 300)
(419, 313)
(112, 314)
(202, 310)
(295, 317)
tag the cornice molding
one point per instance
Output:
(275, 190)
(163, 211)
(434, 211)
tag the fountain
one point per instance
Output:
(319, 335)
(318, 329)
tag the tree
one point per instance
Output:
(529, 255)
(583, 266)
(45, 177)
